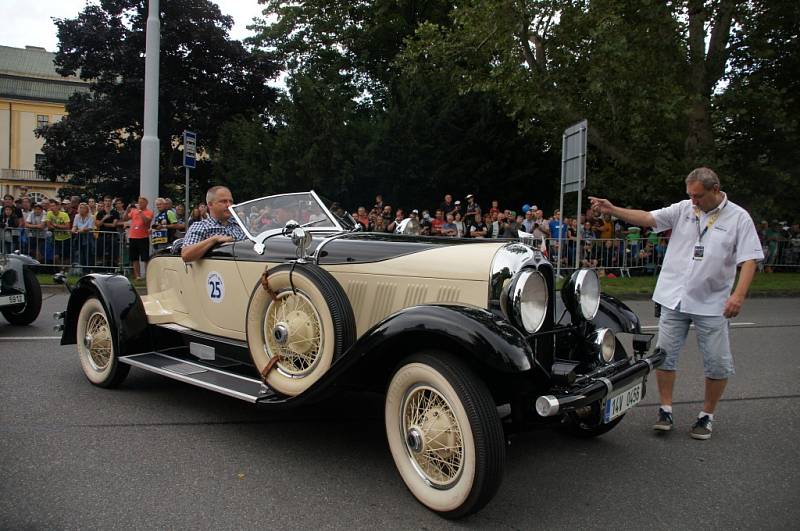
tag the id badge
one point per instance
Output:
(698, 252)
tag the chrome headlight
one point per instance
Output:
(526, 300)
(604, 344)
(581, 294)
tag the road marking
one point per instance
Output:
(29, 338)
(733, 325)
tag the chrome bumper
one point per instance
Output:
(583, 395)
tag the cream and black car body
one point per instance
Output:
(467, 339)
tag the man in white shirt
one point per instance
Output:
(710, 237)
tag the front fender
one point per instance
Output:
(465, 331)
(616, 315)
(123, 307)
(12, 276)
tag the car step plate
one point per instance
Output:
(237, 386)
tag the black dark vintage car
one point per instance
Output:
(448, 330)
(20, 292)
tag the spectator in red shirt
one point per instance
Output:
(139, 235)
(361, 217)
(437, 223)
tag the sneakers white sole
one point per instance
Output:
(700, 436)
(662, 427)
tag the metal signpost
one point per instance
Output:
(189, 162)
(573, 179)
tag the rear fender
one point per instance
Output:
(123, 307)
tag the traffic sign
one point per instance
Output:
(190, 149)
(573, 158)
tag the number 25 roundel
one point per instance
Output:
(215, 287)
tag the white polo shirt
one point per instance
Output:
(702, 286)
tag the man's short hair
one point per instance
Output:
(211, 195)
(704, 176)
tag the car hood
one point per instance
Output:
(385, 254)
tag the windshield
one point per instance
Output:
(268, 213)
(342, 216)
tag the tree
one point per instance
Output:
(639, 71)
(243, 157)
(205, 79)
(353, 124)
(757, 117)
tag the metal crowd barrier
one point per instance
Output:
(61, 250)
(107, 251)
(645, 257)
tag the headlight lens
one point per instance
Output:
(528, 298)
(604, 344)
(582, 293)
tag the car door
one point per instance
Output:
(219, 292)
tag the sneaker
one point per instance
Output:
(701, 428)
(664, 422)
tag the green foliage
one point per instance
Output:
(416, 99)
(645, 74)
(205, 78)
(353, 124)
(242, 161)
(758, 115)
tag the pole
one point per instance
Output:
(186, 210)
(580, 195)
(561, 202)
(148, 170)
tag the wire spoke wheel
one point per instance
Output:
(98, 341)
(293, 333)
(444, 433)
(433, 436)
(96, 346)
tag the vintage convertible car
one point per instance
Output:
(467, 339)
(20, 292)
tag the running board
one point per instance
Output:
(237, 386)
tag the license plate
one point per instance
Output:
(618, 404)
(6, 300)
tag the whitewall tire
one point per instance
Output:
(444, 434)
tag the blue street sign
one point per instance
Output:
(189, 149)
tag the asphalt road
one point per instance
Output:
(158, 454)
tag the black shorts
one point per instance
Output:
(139, 249)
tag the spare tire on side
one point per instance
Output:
(303, 318)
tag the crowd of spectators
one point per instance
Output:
(88, 233)
(108, 233)
(606, 244)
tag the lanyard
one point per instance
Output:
(709, 223)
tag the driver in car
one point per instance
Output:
(218, 228)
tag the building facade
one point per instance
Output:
(32, 94)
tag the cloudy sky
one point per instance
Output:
(29, 22)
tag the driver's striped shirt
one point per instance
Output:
(205, 228)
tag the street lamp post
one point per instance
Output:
(148, 171)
